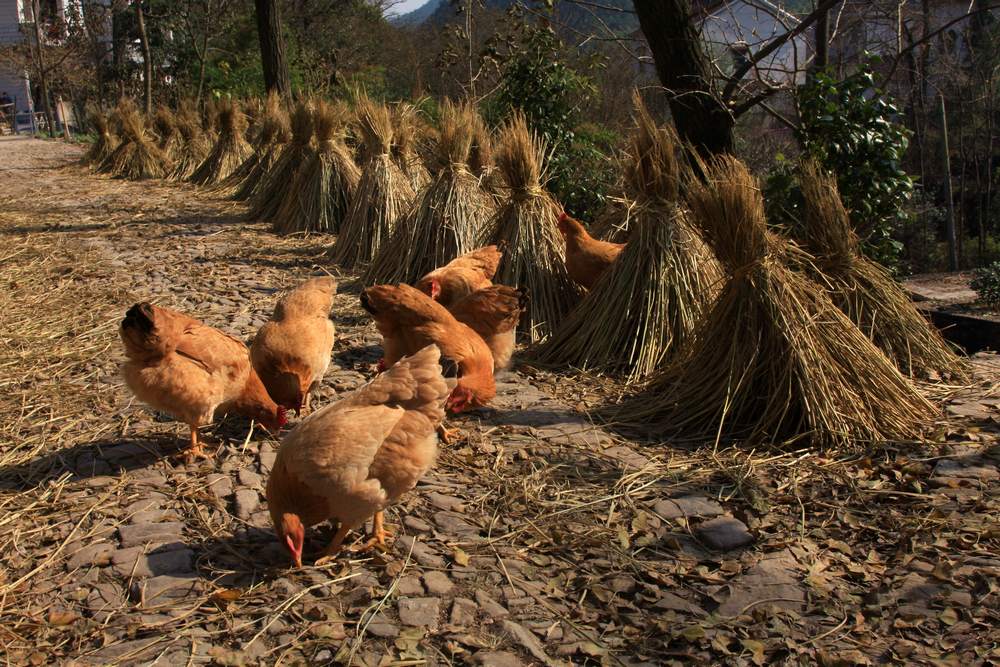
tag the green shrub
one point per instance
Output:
(986, 283)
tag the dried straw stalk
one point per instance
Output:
(864, 290)
(526, 225)
(230, 149)
(482, 161)
(325, 185)
(271, 132)
(383, 193)
(407, 130)
(106, 140)
(449, 214)
(137, 157)
(646, 306)
(267, 198)
(775, 361)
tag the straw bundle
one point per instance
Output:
(526, 225)
(382, 195)
(775, 361)
(230, 149)
(449, 214)
(270, 134)
(482, 161)
(325, 185)
(865, 291)
(407, 134)
(270, 192)
(137, 157)
(194, 143)
(168, 134)
(106, 140)
(647, 305)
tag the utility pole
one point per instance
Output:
(36, 14)
(946, 160)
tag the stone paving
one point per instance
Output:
(539, 539)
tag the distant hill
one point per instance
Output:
(577, 17)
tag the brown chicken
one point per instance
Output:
(409, 320)
(182, 367)
(462, 276)
(292, 352)
(493, 313)
(586, 257)
(352, 459)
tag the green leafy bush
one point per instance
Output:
(850, 127)
(986, 283)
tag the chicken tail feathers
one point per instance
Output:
(415, 382)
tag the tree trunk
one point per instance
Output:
(272, 47)
(701, 118)
(147, 59)
(43, 85)
(822, 33)
(202, 57)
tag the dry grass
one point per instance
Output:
(648, 304)
(319, 198)
(526, 226)
(230, 149)
(383, 194)
(775, 361)
(266, 200)
(168, 135)
(865, 291)
(448, 215)
(409, 132)
(137, 157)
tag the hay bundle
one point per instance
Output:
(407, 129)
(106, 140)
(526, 225)
(230, 149)
(775, 361)
(865, 291)
(647, 305)
(271, 190)
(449, 214)
(324, 187)
(382, 195)
(137, 157)
(482, 161)
(271, 132)
(165, 125)
(194, 143)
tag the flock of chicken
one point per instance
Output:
(442, 342)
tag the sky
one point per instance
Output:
(407, 6)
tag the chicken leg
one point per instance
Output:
(194, 452)
(336, 544)
(446, 435)
(379, 533)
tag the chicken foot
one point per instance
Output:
(335, 546)
(194, 452)
(446, 435)
(379, 533)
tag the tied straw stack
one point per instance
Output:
(647, 305)
(230, 149)
(271, 191)
(449, 214)
(775, 361)
(194, 146)
(271, 132)
(106, 140)
(527, 227)
(325, 185)
(169, 137)
(865, 291)
(137, 157)
(383, 193)
(407, 128)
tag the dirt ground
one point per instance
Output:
(538, 539)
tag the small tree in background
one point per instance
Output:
(850, 127)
